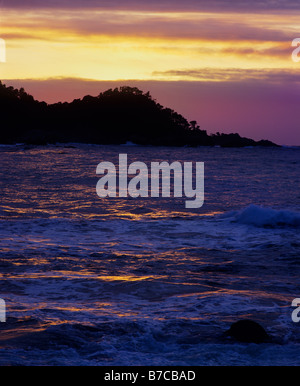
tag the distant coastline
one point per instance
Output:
(116, 116)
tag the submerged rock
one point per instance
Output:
(248, 331)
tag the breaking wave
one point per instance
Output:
(266, 217)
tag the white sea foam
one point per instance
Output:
(120, 282)
(266, 217)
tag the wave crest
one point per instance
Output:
(267, 217)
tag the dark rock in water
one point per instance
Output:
(248, 331)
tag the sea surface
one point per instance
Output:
(145, 281)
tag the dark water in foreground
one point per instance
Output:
(90, 281)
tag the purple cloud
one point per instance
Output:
(168, 5)
(234, 74)
(207, 27)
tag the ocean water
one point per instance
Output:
(145, 281)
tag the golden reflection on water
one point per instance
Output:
(128, 278)
(68, 275)
(78, 211)
(105, 209)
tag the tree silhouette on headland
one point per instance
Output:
(115, 116)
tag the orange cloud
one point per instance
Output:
(113, 44)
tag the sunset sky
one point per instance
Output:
(227, 64)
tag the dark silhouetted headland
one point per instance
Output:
(116, 116)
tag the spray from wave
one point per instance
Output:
(265, 217)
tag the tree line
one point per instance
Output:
(115, 116)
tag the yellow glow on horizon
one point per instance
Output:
(40, 48)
